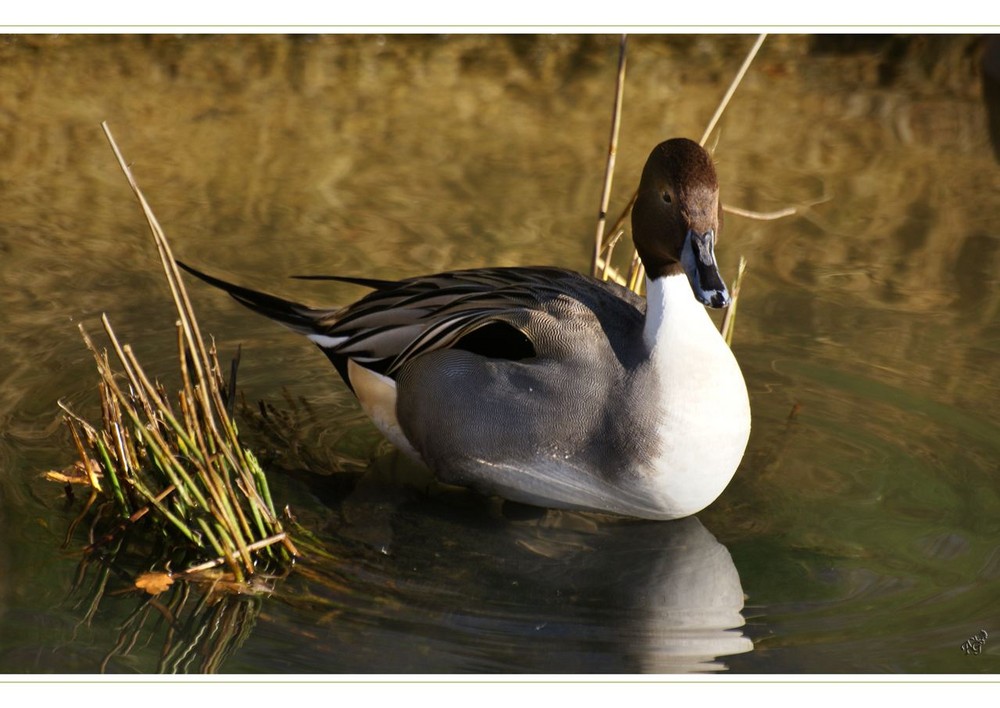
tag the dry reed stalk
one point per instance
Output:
(609, 168)
(733, 85)
(729, 321)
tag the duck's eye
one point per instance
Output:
(666, 197)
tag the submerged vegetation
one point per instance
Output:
(177, 469)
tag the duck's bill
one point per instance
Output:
(698, 261)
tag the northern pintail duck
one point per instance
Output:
(548, 387)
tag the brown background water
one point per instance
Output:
(863, 531)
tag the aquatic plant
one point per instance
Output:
(177, 467)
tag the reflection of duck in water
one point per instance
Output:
(694, 606)
(458, 588)
(670, 591)
(551, 388)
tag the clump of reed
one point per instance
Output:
(178, 466)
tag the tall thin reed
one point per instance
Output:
(609, 168)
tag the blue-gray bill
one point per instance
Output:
(698, 261)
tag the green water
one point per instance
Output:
(862, 531)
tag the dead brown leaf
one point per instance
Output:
(154, 583)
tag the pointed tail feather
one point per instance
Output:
(292, 314)
(363, 282)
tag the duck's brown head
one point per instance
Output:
(675, 220)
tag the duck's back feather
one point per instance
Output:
(505, 313)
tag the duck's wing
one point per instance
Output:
(491, 311)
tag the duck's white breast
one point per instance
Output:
(702, 401)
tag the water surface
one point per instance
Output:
(862, 532)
